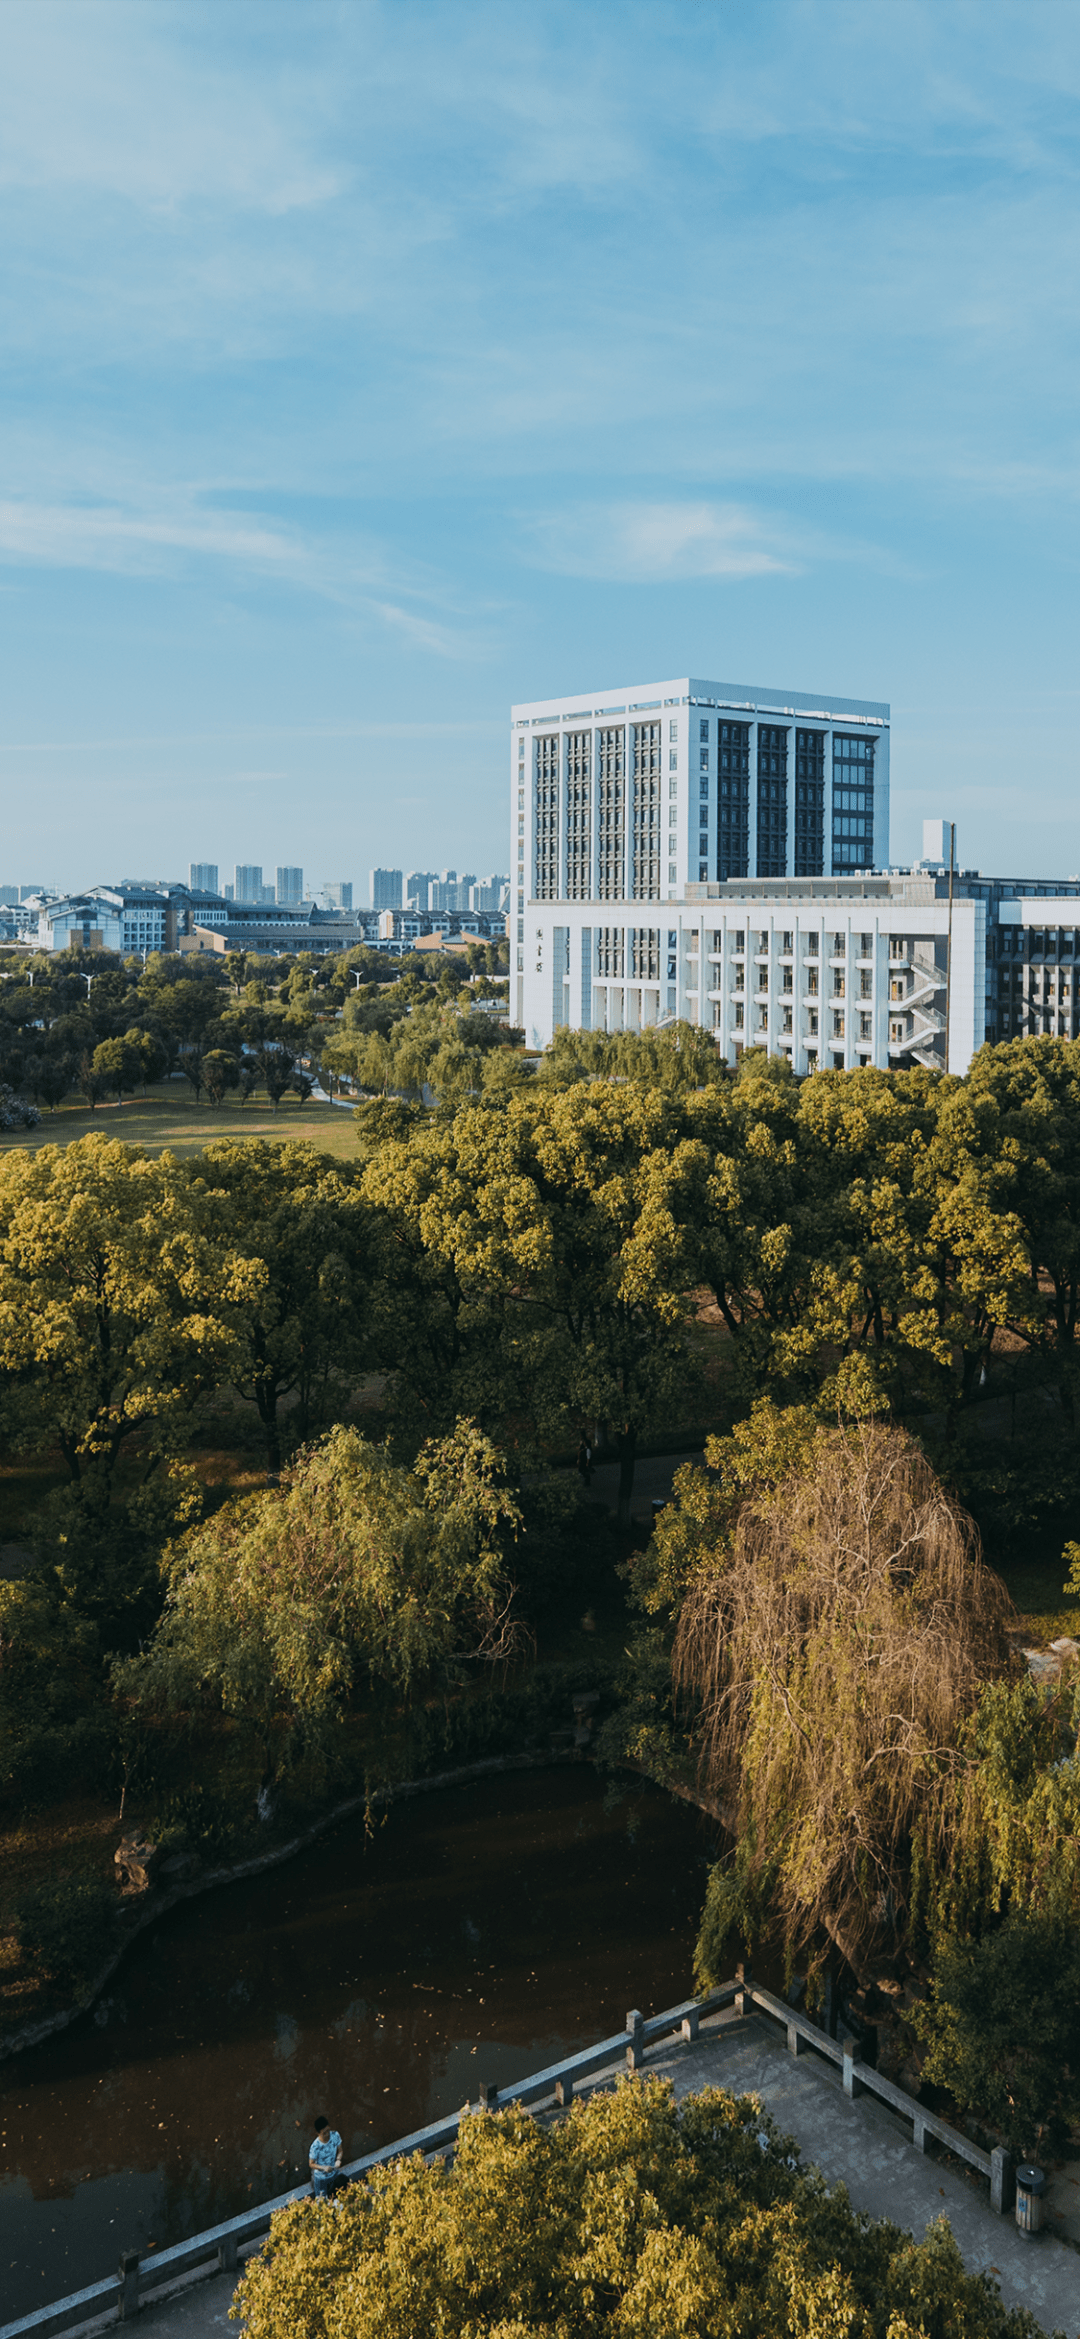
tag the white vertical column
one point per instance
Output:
(882, 842)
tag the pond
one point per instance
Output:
(478, 1933)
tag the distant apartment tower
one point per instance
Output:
(449, 891)
(489, 893)
(203, 876)
(290, 885)
(337, 894)
(418, 884)
(247, 882)
(386, 889)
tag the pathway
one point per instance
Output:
(860, 2144)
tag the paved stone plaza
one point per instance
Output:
(860, 2144)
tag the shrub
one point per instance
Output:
(15, 1112)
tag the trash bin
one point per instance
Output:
(1030, 2187)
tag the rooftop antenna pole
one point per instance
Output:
(948, 945)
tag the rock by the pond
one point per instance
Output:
(133, 1859)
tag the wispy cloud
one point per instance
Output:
(643, 543)
(104, 537)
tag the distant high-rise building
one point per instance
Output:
(290, 885)
(229, 892)
(386, 889)
(203, 876)
(448, 891)
(489, 893)
(247, 882)
(418, 884)
(9, 895)
(31, 892)
(337, 894)
(267, 894)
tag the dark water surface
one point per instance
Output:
(477, 1934)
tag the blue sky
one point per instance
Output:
(363, 369)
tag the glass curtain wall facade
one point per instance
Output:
(772, 761)
(733, 803)
(809, 803)
(852, 804)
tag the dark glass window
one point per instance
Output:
(772, 779)
(853, 803)
(733, 806)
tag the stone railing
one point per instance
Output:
(140, 2280)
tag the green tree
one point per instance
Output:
(276, 1064)
(1003, 2027)
(118, 1289)
(357, 1580)
(298, 1221)
(221, 1073)
(574, 1211)
(117, 1065)
(634, 2216)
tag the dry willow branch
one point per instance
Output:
(832, 1662)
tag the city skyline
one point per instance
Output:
(362, 383)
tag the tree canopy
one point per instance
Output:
(633, 2216)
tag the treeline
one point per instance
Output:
(621, 1241)
(93, 1026)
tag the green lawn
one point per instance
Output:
(170, 1118)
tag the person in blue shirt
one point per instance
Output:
(324, 2156)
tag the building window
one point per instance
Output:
(645, 953)
(733, 801)
(703, 759)
(609, 950)
(772, 762)
(703, 727)
(673, 730)
(546, 816)
(610, 814)
(673, 759)
(645, 815)
(578, 816)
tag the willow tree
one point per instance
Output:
(833, 1660)
(354, 1586)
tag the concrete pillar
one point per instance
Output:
(852, 2085)
(226, 2256)
(796, 2043)
(744, 2003)
(489, 2096)
(635, 2053)
(691, 2024)
(564, 2090)
(129, 2284)
(1002, 2180)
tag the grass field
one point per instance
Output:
(169, 1118)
